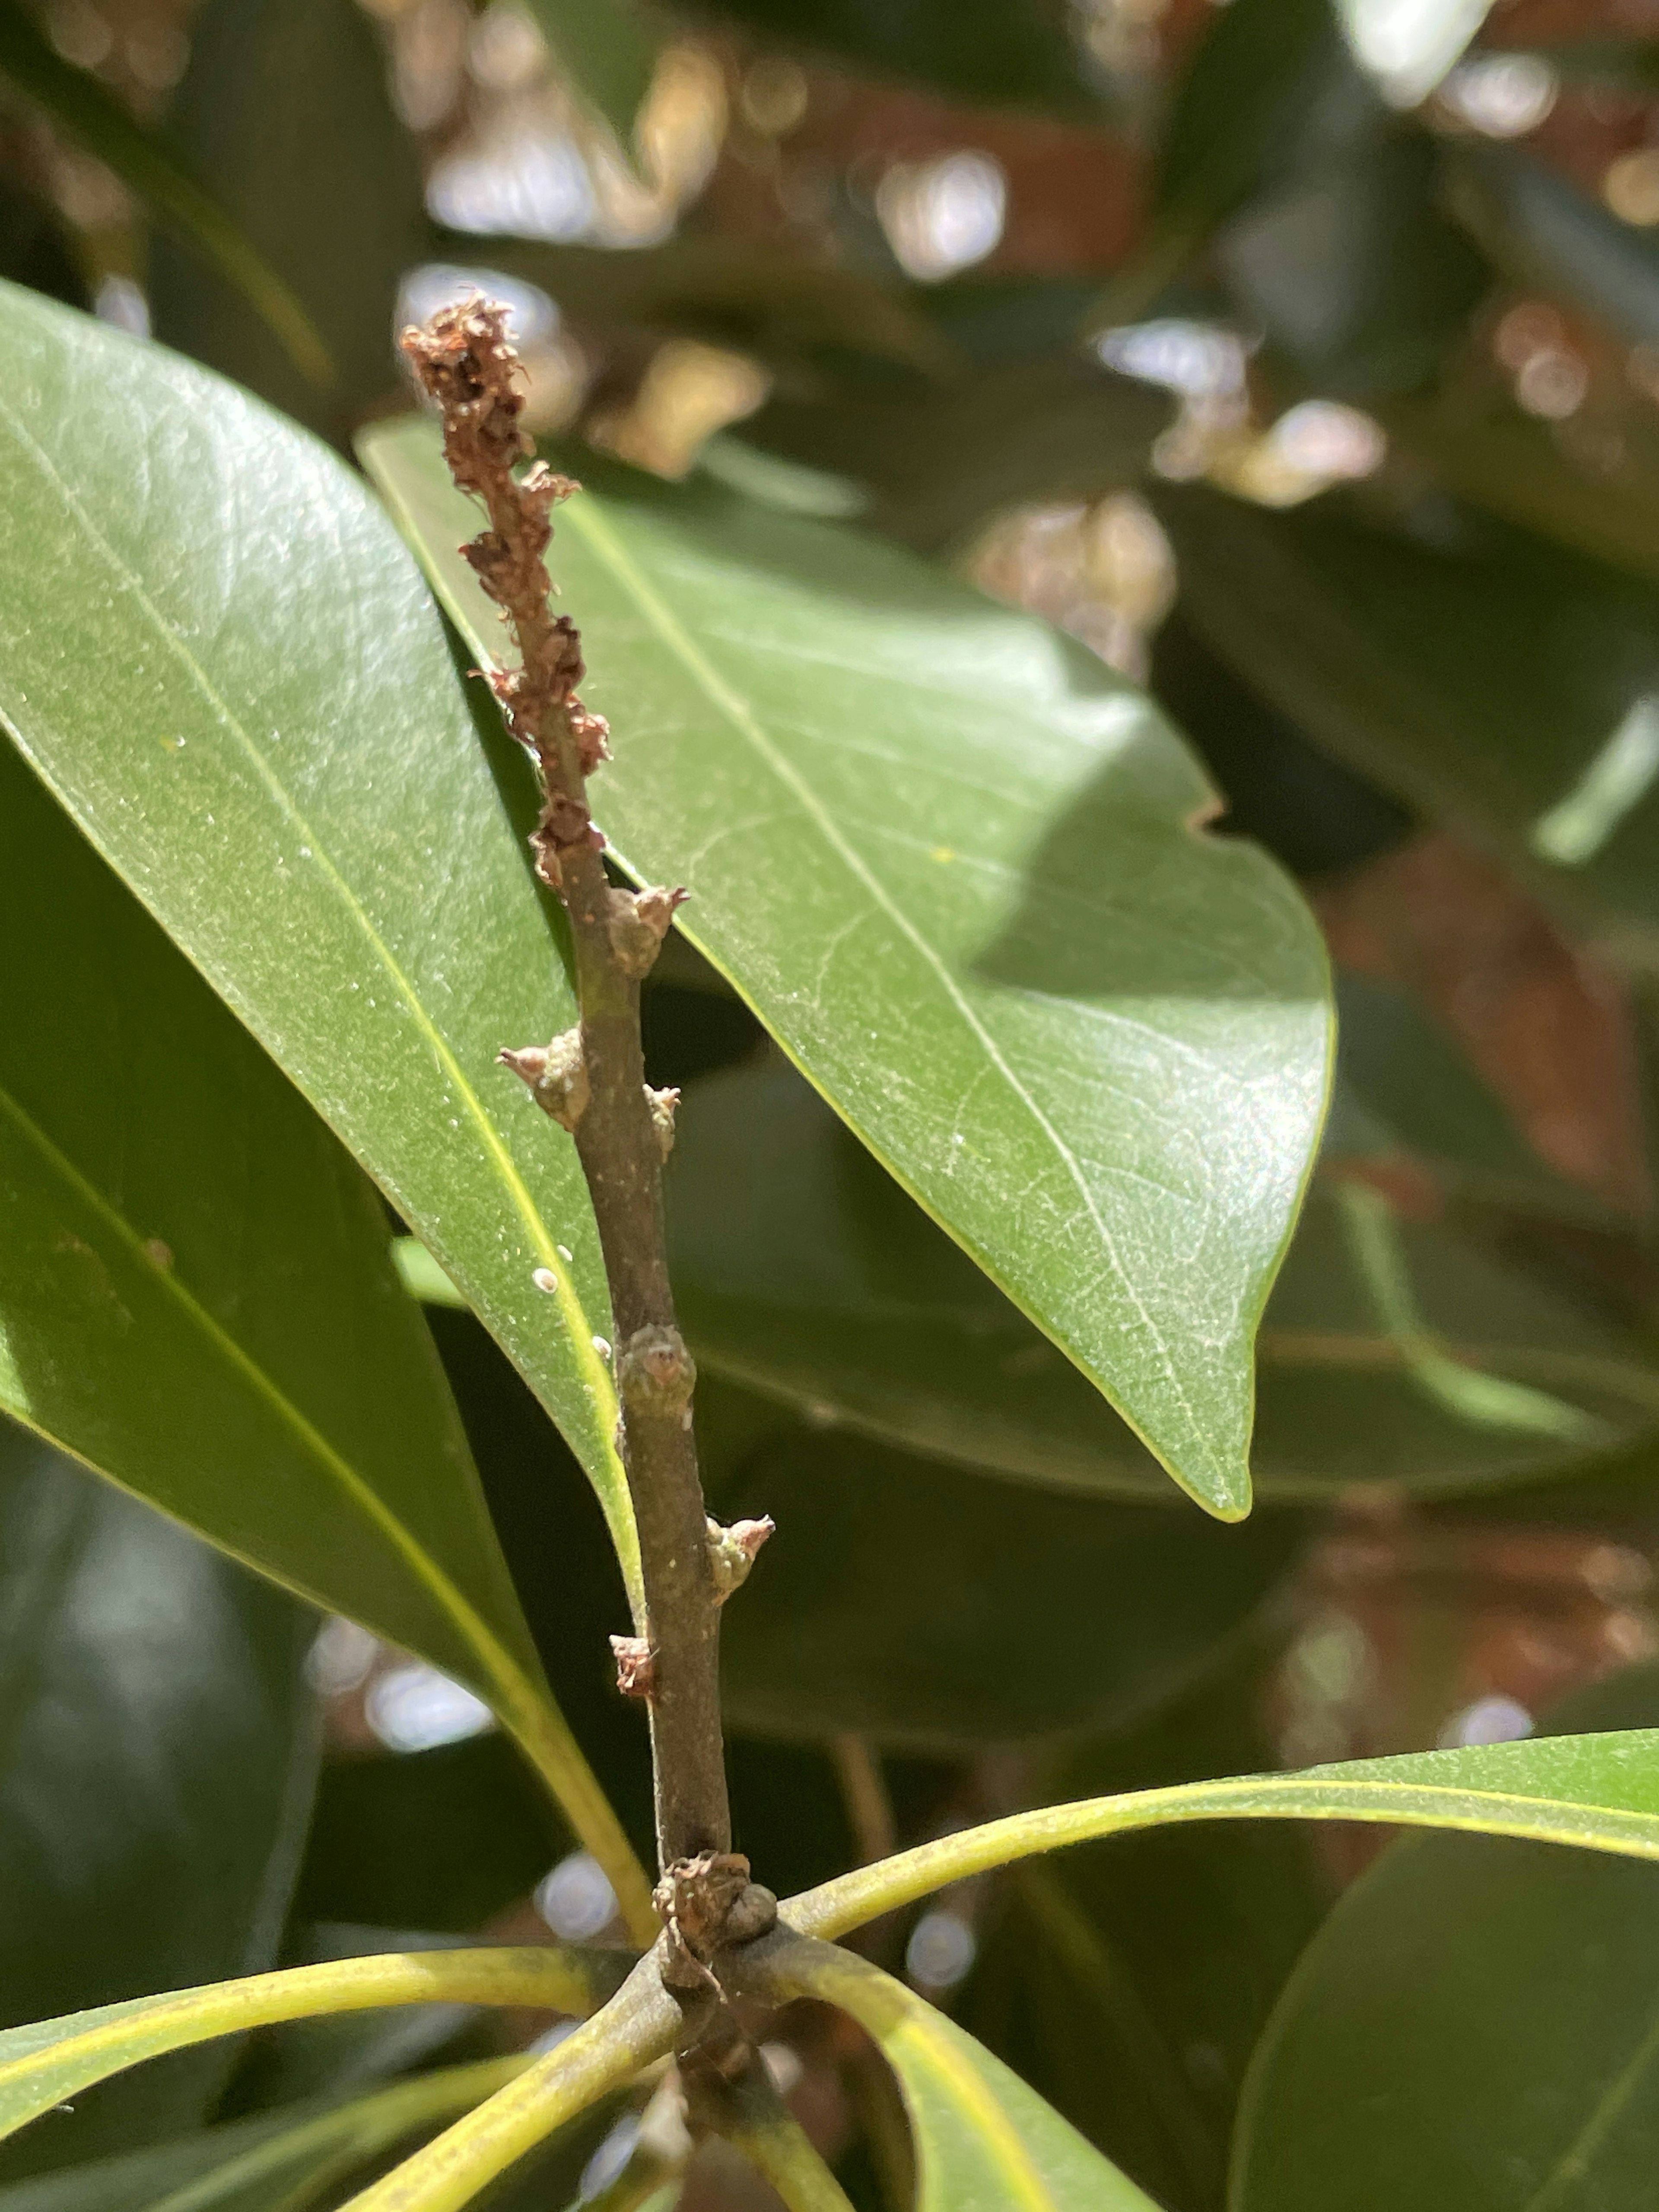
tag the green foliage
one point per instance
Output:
(966, 1034)
(185, 1782)
(165, 1230)
(272, 802)
(1472, 2027)
(284, 166)
(90, 113)
(1003, 1186)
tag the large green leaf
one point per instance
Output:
(1032, 1614)
(284, 111)
(195, 1295)
(220, 659)
(160, 1746)
(1472, 2031)
(1601, 1792)
(1500, 684)
(950, 860)
(802, 1270)
(984, 2142)
(85, 107)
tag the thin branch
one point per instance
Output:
(591, 1081)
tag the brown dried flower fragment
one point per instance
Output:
(636, 1671)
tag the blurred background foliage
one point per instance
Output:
(1303, 364)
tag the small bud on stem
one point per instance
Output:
(557, 1076)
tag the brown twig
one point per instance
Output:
(591, 1080)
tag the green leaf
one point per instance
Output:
(195, 1295)
(282, 2163)
(1258, 69)
(982, 2139)
(50, 2060)
(160, 1752)
(283, 110)
(1129, 1987)
(1601, 1792)
(261, 727)
(84, 107)
(802, 1270)
(1003, 53)
(607, 54)
(639, 2025)
(949, 862)
(1472, 2031)
(1500, 685)
(921, 1605)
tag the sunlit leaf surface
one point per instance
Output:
(952, 864)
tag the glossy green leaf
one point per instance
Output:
(260, 725)
(83, 106)
(195, 1294)
(284, 111)
(605, 52)
(51, 2060)
(803, 1272)
(950, 863)
(1002, 53)
(285, 2162)
(919, 1605)
(1472, 2031)
(160, 1748)
(984, 2142)
(1129, 1987)
(1600, 1792)
(1501, 685)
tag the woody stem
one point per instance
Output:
(593, 1083)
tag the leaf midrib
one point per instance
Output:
(596, 1375)
(731, 705)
